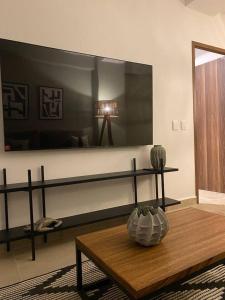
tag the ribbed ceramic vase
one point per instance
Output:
(147, 226)
(157, 154)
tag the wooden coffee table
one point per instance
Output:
(196, 239)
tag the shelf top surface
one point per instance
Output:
(14, 187)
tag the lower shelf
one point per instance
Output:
(18, 233)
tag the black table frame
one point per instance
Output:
(82, 289)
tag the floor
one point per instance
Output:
(17, 265)
(59, 251)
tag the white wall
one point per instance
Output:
(207, 6)
(157, 32)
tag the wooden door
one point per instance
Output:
(209, 118)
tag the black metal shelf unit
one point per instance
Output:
(12, 234)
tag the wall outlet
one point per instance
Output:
(175, 125)
(183, 125)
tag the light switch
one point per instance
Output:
(175, 125)
(183, 125)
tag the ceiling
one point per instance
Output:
(209, 7)
(203, 57)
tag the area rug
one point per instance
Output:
(208, 284)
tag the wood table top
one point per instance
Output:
(196, 239)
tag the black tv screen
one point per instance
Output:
(56, 99)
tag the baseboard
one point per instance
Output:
(190, 198)
(184, 203)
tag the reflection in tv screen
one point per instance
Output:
(56, 99)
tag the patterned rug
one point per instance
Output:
(60, 285)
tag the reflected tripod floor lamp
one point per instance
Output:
(106, 110)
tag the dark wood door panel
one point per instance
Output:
(209, 107)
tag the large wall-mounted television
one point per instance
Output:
(57, 99)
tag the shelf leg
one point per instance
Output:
(43, 200)
(31, 215)
(156, 190)
(79, 269)
(162, 185)
(6, 209)
(135, 182)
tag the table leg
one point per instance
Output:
(79, 269)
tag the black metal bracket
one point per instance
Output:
(156, 190)
(7, 234)
(162, 185)
(135, 182)
(31, 214)
(161, 173)
(6, 208)
(43, 199)
(79, 269)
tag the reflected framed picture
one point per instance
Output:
(51, 103)
(15, 98)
